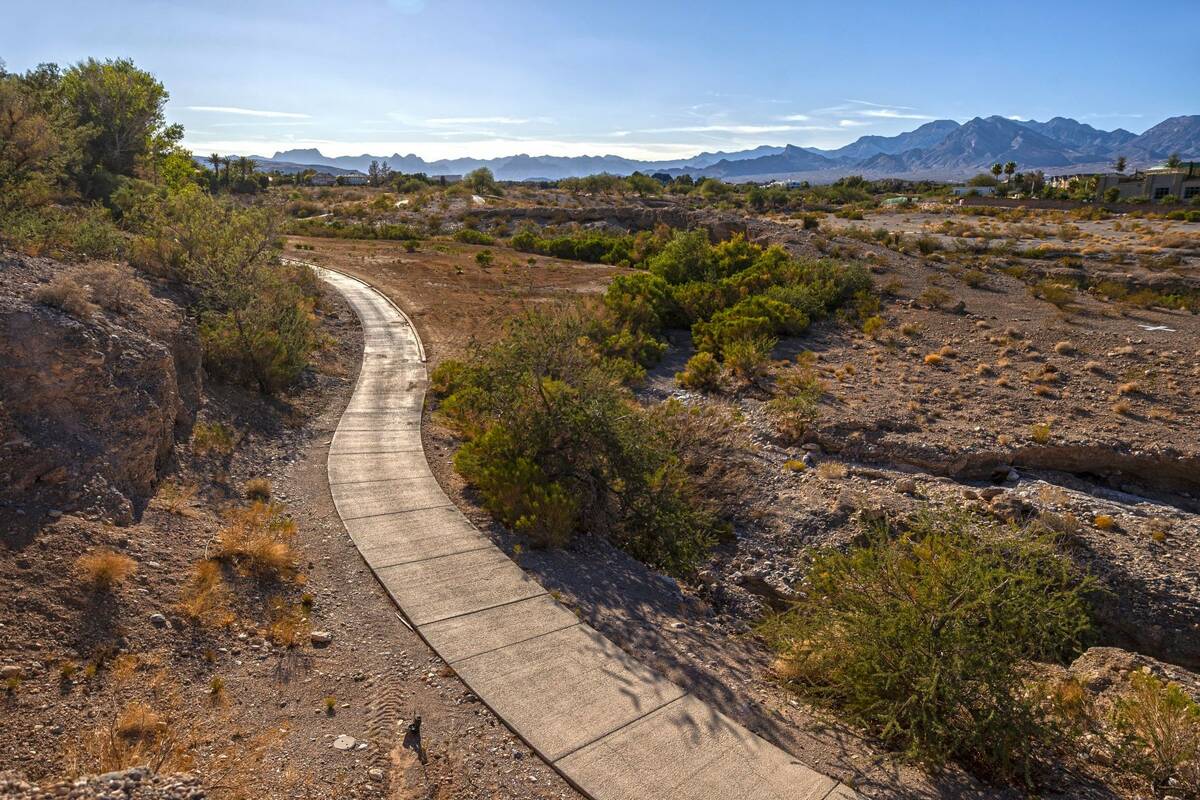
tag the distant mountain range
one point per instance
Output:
(938, 150)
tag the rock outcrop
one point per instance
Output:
(91, 404)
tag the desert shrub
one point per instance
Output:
(810, 222)
(749, 357)
(472, 236)
(934, 297)
(258, 489)
(68, 295)
(756, 317)
(484, 258)
(920, 637)
(796, 404)
(103, 570)
(212, 438)
(256, 322)
(734, 290)
(1158, 729)
(341, 229)
(643, 300)
(1060, 295)
(873, 325)
(596, 247)
(1040, 432)
(927, 244)
(974, 278)
(702, 372)
(176, 497)
(259, 538)
(266, 345)
(115, 288)
(557, 447)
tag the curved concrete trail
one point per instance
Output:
(614, 728)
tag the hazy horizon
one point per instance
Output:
(461, 78)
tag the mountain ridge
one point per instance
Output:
(942, 148)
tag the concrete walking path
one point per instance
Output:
(612, 727)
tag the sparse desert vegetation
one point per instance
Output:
(898, 474)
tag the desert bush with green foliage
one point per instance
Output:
(733, 291)
(256, 323)
(344, 229)
(472, 236)
(595, 247)
(557, 447)
(702, 372)
(796, 404)
(921, 636)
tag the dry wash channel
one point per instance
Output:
(614, 728)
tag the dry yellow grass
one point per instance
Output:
(1104, 521)
(258, 538)
(258, 489)
(205, 599)
(176, 498)
(1064, 348)
(103, 570)
(832, 469)
(933, 359)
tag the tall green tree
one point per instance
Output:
(1119, 165)
(997, 169)
(120, 110)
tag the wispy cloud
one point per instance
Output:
(891, 113)
(732, 128)
(246, 112)
(796, 118)
(438, 122)
(852, 123)
(879, 105)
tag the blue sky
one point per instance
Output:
(445, 78)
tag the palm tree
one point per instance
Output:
(215, 159)
(245, 167)
(227, 161)
(1010, 168)
(997, 169)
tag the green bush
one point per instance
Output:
(472, 236)
(557, 447)
(702, 372)
(749, 358)
(255, 314)
(642, 300)
(920, 637)
(734, 291)
(595, 247)
(756, 316)
(340, 229)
